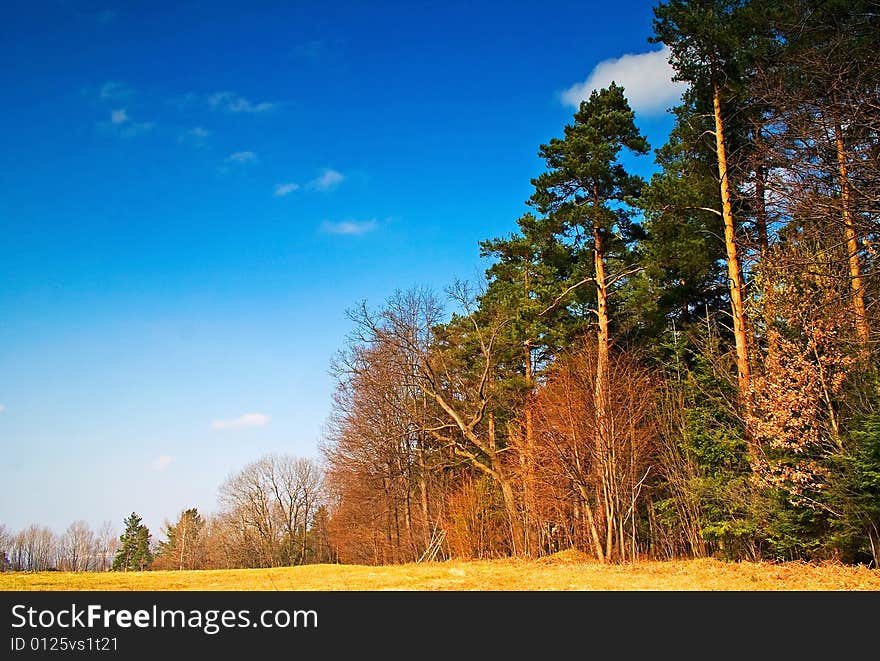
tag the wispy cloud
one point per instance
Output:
(119, 116)
(2, 408)
(121, 124)
(243, 421)
(162, 462)
(241, 158)
(349, 227)
(114, 91)
(232, 102)
(646, 78)
(285, 189)
(328, 180)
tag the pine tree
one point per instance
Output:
(707, 44)
(684, 281)
(134, 551)
(586, 193)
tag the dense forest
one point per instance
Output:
(685, 366)
(680, 367)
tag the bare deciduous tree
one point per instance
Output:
(599, 476)
(269, 505)
(78, 548)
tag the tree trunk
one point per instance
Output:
(600, 394)
(500, 476)
(591, 524)
(183, 522)
(852, 243)
(305, 536)
(529, 494)
(423, 493)
(516, 532)
(734, 269)
(600, 390)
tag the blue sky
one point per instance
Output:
(192, 194)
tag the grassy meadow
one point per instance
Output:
(565, 571)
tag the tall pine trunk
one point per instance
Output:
(852, 242)
(532, 537)
(734, 268)
(600, 391)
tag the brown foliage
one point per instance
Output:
(806, 325)
(590, 478)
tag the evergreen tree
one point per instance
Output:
(684, 280)
(134, 551)
(856, 494)
(586, 195)
(708, 40)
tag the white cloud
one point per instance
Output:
(2, 408)
(242, 157)
(119, 116)
(121, 125)
(285, 189)
(645, 77)
(232, 102)
(328, 180)
(162, 462)
(242, 421)
(114, 91)
(349, 227)
(199, 132)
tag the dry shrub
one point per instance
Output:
(475, 521)
(590, 475)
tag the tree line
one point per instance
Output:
(685, 366)
(271, 513)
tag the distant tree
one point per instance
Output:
(134, 550)
(33, 549)
(108, 544)
(267, 508)
(184, 546)
(319, 535)
(5, 542)
(78, 549)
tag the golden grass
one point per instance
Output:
(565, 571)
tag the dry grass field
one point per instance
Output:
(565, 571)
